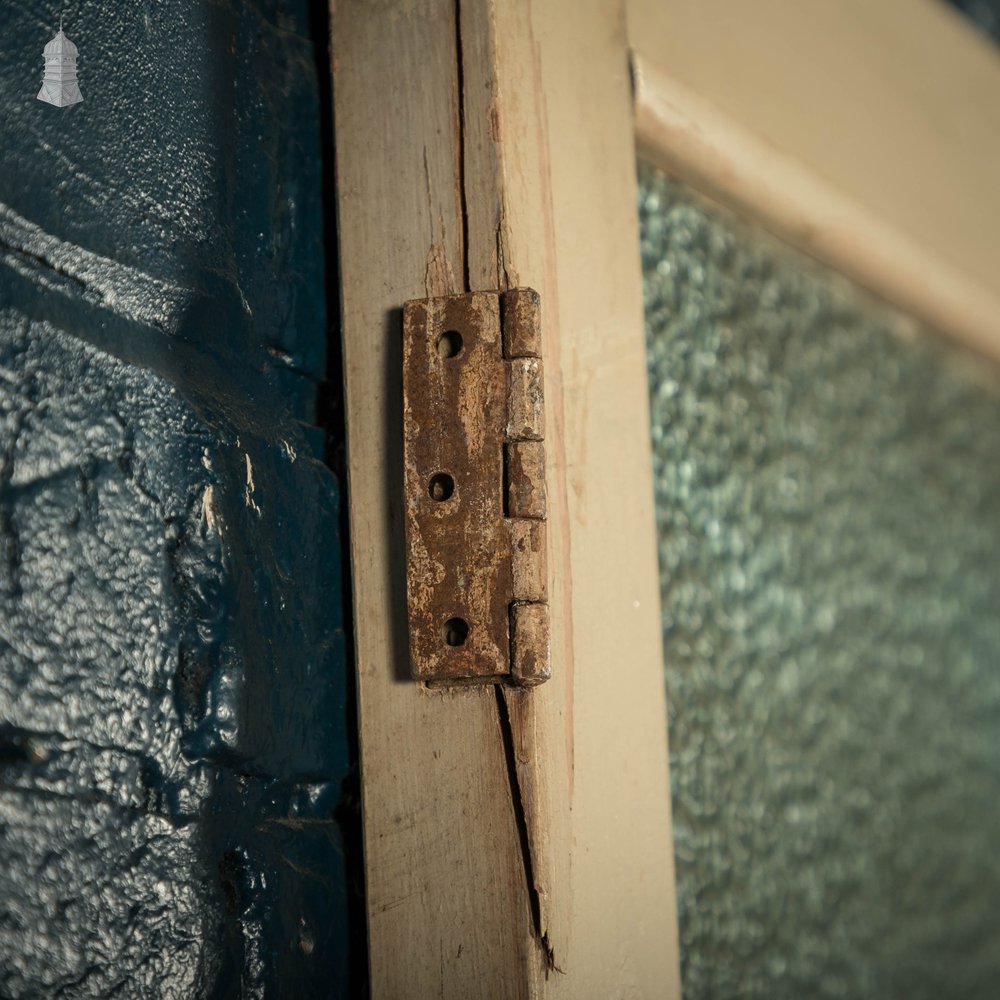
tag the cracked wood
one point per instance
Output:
(517, 840)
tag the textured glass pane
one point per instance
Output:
(828, 499)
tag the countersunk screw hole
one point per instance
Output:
(456, 631)
(449, 344)
(441, 486)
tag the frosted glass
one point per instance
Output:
(828, 503)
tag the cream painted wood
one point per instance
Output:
(484, 153)
(446, 894)
(689, 138)
(552, 175)
(867, 134)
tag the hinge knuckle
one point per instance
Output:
(522, 323)
(528, 562)
(525, 478)
(525, 400)
(530, 643)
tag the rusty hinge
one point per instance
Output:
(473, 419)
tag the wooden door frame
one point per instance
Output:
(518, 842)
(865, 134)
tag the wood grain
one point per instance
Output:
(548, 138)
(531, 828)
(447, 899)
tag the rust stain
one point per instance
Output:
(494, 113)
(476, 610)
(529, 643)
(525, 476)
